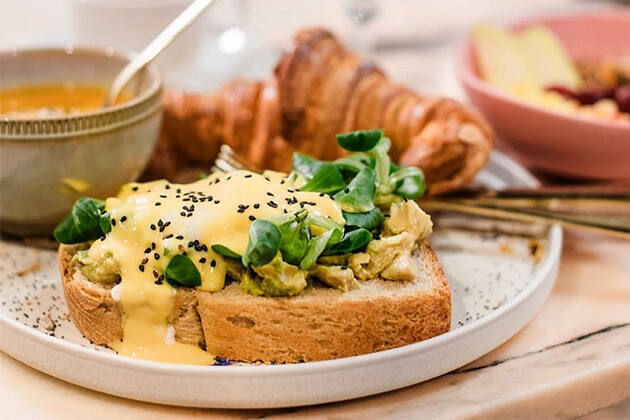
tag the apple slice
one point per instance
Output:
(548, 59)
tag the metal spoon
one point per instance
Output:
(159, 43)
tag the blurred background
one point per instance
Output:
(412, 40)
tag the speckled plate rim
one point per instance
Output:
(535, 293)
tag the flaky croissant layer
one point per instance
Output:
(320, 89)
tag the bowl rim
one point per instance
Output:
(102, 119)
(468, 77)
(102, 52)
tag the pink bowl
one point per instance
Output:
(549, 141)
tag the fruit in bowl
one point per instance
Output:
(534, 66)
(537, 110)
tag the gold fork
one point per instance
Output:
(601, 208)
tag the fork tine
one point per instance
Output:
(228, 161)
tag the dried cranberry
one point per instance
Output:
(589, 97)
(562, 90)
(622, 96)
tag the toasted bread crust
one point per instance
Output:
(317, 325)
(99, 317)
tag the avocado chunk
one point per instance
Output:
(280, 278)
(251, 284)
(104, 270)
(381, 254)
(408, 217)
(337, 276)
(403, 268)
(341, 259)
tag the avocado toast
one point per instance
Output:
(328, 261)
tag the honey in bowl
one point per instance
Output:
(54, 100)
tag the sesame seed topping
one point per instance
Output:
(113, 222)
(152, 245)
(155, 274)
(202, 260)
(183, 214)
(152, 227)
(167, 187)
(346, 190)
(344, 267)
(157, 203)
(321, 194)
(180, 237)
(256, 205)
(169, 236)
(144, 260)
(141, 267)
(135, 188)
(270, 194)
(122, 219)
(252, 218)
(162, 196)
(272, 204)
(248, 176)
(156, 256)
(146, 251)
(213, 263)
(217, 201)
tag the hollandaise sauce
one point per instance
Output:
(53, 100)
(153, 222)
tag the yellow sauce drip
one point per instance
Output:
(54, 99)
(172, 227)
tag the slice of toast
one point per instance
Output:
(319, 324)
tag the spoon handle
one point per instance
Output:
(156, 46)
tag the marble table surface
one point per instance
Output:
(572, 359)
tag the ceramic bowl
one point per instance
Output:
(549, 141)
(47, 163)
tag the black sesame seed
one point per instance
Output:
(146, 251)
(183, 214)
(161, 277)
(160, 222)
(157, 203)
(158, 282)
(252, 218)
(272, 204)
(135, 188)
(162, 196)
(179, 190)
(141, 267)
(156, 256)
(145, 260)
(167, 187)
(169, 236)
(270, 194)
(113, 222)
(282, 182)
(204, 248)
(202, 260)
(213, 263)
(102, 237)
(344, 267)
(217, 201)
(321, 194)
(122, 219)
(180, 237)
(191, 244)
(290, 190)
(346, 190)
(248, 176)
(155, 274)
(152, 245)
(189, 214)
(152, 227)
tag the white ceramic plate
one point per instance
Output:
(497, 285)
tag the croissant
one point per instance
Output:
(320, 89)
